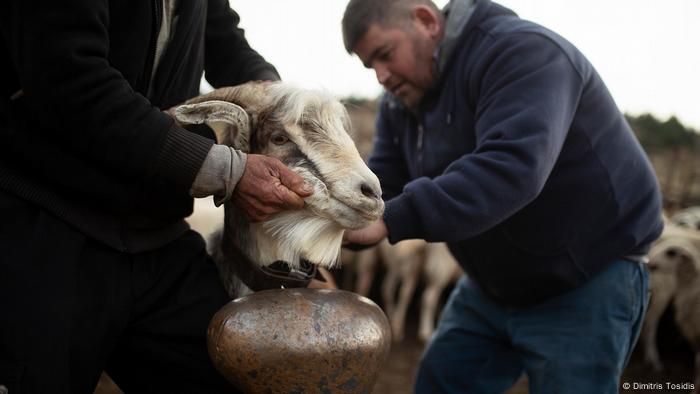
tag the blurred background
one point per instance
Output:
(646, 52)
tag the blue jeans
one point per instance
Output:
(577, 342)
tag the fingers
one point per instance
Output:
(253, 213)
(293, 181)
(262, 192)
(370, 235)
(288, 199)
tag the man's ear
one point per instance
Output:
(229, 121)
(427, 21)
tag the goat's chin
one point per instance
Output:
(301, 234)
(348, 217)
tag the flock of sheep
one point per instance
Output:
(674, 268)
(406, 265)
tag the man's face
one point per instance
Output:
(402, 58)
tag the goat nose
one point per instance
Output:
(369, 191)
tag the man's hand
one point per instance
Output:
(268, 187)
(370, 235)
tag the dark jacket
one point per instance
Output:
(520, 160)
(84, 141)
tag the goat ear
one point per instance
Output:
(229, 121)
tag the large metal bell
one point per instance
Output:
(300, 341)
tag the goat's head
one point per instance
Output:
(308, 131)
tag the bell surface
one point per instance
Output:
(300, 341)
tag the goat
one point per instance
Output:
(308, 131)
(669, 265)
(207, 218)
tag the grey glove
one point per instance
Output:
(219, 174)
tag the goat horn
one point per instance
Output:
(231, 111)
(229, 121)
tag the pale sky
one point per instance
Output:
(647, 51)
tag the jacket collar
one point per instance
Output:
(457, 14)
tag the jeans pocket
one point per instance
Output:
(11, 378)
(637, 284)
(622, 283)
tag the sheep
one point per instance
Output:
(688, 218)
(404, 264)
(687, 300)
(364, 264)
(440, 270)
(308, 131)
(667, 259)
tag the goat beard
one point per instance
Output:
(300, 235)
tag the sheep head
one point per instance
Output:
(672, 262)
(308, 131)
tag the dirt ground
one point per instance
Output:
(399, 371)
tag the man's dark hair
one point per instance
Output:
(361, 14)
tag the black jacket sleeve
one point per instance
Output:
(229, 59)
(84, 105)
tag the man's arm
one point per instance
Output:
(60, 54)
(388, 163)
(229, 59)
(227, 173)
(529, 92)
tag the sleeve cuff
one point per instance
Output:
(182, 156)
(401, 219)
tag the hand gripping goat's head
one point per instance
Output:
(308, 131)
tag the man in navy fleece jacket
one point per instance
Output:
(498, 137)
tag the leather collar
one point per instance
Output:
(274, 276)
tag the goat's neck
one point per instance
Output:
(288, 237)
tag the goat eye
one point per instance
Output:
(279, 139)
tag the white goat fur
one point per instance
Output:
(309, 233)
(318, 148)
